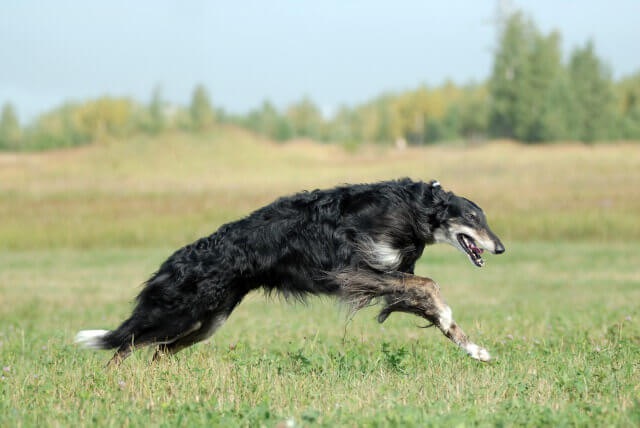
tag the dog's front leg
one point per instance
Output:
(455, 333)
(421, 296)
(408, 293)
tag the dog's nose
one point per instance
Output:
(499, 248)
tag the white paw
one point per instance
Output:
(477, 352)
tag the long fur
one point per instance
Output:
(298, 245)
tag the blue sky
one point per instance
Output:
(335, 51)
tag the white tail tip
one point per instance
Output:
(90, 338)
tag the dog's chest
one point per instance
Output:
(386, 256)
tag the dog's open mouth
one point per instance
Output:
(473, 251)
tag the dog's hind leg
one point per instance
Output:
(206, 327)
(127, 348)
(202, 332)
(407, 293)
(121, 354)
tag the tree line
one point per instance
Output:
(74, 124)
(532, 95)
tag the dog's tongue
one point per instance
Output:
(475, 249)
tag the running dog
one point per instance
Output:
(359, 243)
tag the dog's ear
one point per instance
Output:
(440, 201)
(438, 195)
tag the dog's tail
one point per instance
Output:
(92, 339)
(102, 339)
(163, 310)
(99, 339)
(154, 320)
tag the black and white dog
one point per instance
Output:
(357, 242)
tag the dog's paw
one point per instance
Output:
(478, 352)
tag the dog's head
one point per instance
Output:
(462, 224)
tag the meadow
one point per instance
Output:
(81, 229)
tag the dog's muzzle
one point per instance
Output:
(474, 249)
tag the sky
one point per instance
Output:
(337, 52)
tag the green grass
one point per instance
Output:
(562, 320)
(81, 229)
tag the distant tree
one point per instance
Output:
(473, 113)
(10, 131)
(435, 130)
(102, 117)
(628, 96)
(73, 124)
(554, 122)
(157, 119)
(369, 115)
(384, 133)
(590, 82)
(200, 109)
(283, 131)
(544, 76)
(64, 126)
(345, 127)
(267, 119)
(508, 77)
(305, 119)
(527, 68)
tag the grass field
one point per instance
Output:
(80, 230)
(170, 190)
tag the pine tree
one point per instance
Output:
(592, 110)
(544, 76)
(507, 81)
(527, 68)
